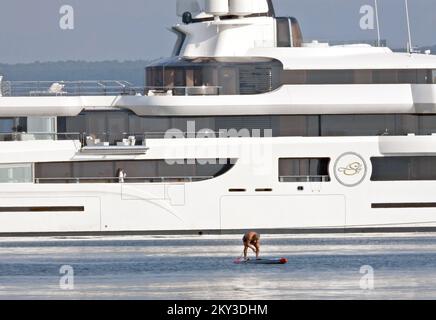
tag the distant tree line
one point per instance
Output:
(132, 71)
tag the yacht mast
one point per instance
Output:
(378, 23)
(409, 44)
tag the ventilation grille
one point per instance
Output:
(255, 80)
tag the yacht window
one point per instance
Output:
(294, 77)
(113, 126)
(385, 76)
(283, 32)
(363, 76)
(403, 168)
(424, 76)
(169, 77)
(11, 125)
(253, 80)
(16, 173)
(229, 80)
(7, 125)
(305, 126)
(357, 125)
(332, 76)
(137, 171)
(304, 170)
(409, 76)
(433, 76)
(419, 76)
(155, 77)
(297, 36)
(213, 76)
(288, 32)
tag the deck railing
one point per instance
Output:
(67, 88)
(125, 180)
(304, 178)
(26, 136)
(98, 88)
(111, 139)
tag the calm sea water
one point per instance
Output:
(320, 267)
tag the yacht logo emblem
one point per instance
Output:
(350, 169)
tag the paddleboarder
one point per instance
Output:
(251, 240)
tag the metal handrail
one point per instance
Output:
(305, 178)
(371, 42)
(182, 90)
(68, 88)
(126, 180)
(103, 136)
(100, 88)
(18, 136)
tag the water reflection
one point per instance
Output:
(320, 267)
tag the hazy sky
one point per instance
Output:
(137, 29)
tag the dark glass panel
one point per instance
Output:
(403, 168)
(229, 80)
(54, 170)
(297, 36)
(330, 76)
(363, 76)
(294, 77)
(136, 171)
(305, 126)
(407, 76)
(283, 32)
(304, 169)
(357, 125)
(385, 76)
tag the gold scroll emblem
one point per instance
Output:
(352, 169)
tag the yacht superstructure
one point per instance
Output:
(245, 126)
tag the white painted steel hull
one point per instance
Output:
(208, 205)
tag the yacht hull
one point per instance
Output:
(250, 196)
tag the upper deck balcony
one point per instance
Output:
(98, 88)
(67, 88)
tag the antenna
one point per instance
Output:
(378, 23)
(409, 44)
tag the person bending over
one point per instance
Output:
(251, 240)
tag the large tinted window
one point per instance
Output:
(304, 169)
(333, 76)
(357, 125)
(283, 32)
(288, 32)
(113, 126)
(16, 173)
(358, 76)
(403, 168)
(209, 76)
(10, 125)
(136, 171)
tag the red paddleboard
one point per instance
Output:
(262, 261)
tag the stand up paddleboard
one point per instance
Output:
(262, 261)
